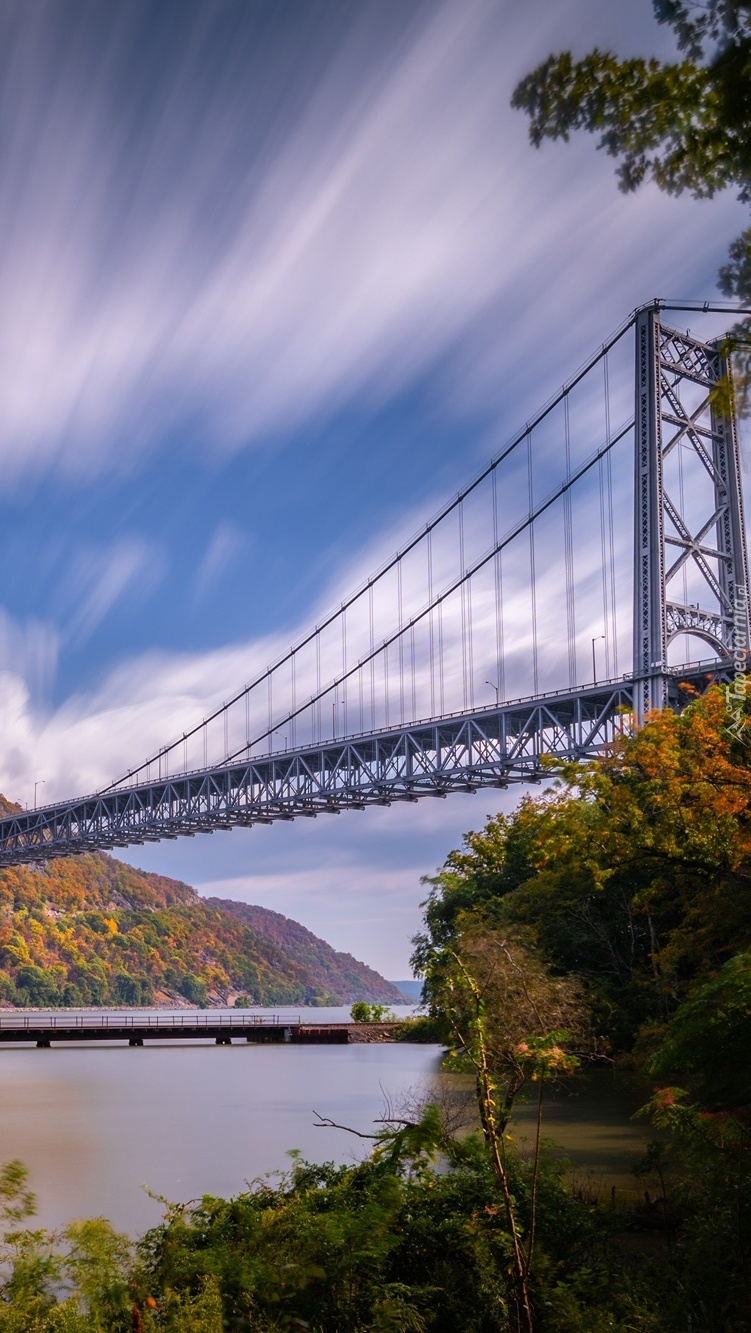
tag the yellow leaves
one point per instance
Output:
(111, 925)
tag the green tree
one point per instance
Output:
(98, 1268)
(195, 990)
(362, 1012)
(39, 985)
(633, 875)
(685, 124)
(704, 1172)
(509, 1021)
(707, 1046)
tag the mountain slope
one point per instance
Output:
(91, 930)
(332, 972)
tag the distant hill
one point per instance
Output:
(89, 930)
(333, 973)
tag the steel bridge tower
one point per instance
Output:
(290, 752)
(684, 406)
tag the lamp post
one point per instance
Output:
(497, 691)
(39, 783)
(594, 660)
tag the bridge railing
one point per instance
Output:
(32, 1022)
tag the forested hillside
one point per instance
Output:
(89, 930)
(330, 972)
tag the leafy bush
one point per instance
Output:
(370, 1013)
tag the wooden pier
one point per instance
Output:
(136, 1029)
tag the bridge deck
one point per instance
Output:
(491, 746)
(136, 1028)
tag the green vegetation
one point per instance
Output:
(390, 1245)
(362, 1012)
(89, 930)
(685, 125)
(609, 919)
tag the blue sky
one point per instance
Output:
(278, 277)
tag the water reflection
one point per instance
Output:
(94, 1123)
(590, 1121)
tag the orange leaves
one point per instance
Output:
(634, 872)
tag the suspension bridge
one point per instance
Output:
(593, 567)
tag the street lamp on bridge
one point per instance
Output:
(497, 689)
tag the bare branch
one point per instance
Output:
(323, 1122)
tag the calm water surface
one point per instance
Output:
(590, 1120)
(94, 1123)
(97, 1123)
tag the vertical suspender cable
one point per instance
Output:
(532, 569)
(400, 615)
(387, 710)
(343, 686)
(463, 604)
(361, 693)
(293, 720)
(606, 618)
(372, 658)
(498, 579)
(414, 680)
(431, 633)
(470, 652)
(604, 567)
(441, 700)
(269, 679)
(568, 543)
(470, 645)
(318, 686)
(611, 523)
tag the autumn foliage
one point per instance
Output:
(634, 873)
(89, 930)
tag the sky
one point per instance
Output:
(279, 276)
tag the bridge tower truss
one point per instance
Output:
(690, 559)
(275, 755)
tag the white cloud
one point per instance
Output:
(99, 579)
(227, 545)
(29, 650)
(231, 283)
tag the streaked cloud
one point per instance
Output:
(181, 257)
(220, 230)
(100, 578)
(227, 545)
(29, 650)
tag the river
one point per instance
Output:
(100, 1124)
(95, 1123)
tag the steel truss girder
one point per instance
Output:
(665, 361)
(484, 748)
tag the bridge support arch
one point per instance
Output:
(683, 420)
